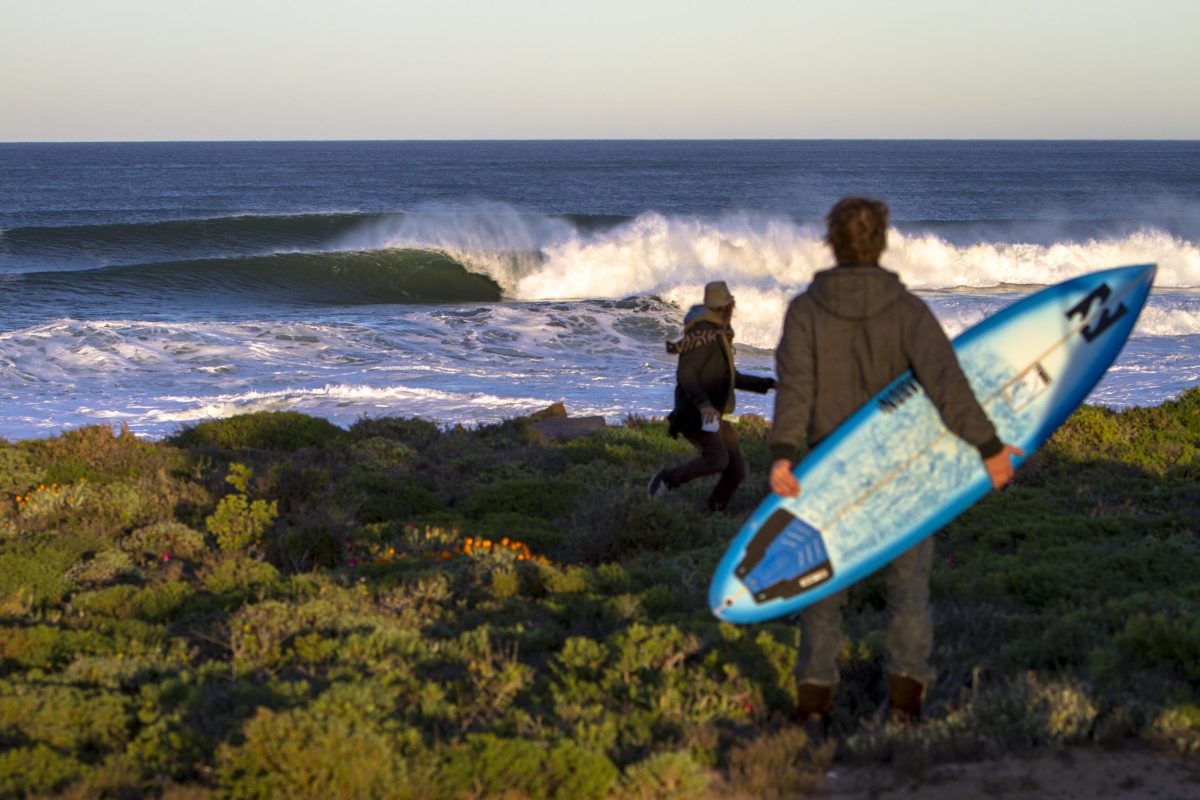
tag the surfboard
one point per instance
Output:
(892, 474)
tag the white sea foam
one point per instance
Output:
(537, 258)
(460, 364)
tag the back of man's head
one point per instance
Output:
(857, 230)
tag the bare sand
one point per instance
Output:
(1075, 774)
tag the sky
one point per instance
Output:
(132, 70)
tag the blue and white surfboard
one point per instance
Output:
(892, 473)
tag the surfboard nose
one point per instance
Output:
(1145, 272)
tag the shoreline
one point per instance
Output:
(556, 408)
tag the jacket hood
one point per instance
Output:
(855, 291)
(698, 314)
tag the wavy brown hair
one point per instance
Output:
(857, 230)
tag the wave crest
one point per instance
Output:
(382, 276)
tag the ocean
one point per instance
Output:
(158, 285)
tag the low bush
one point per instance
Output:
(26, 771)
(664, 776)
(402, 611)
(491, 766)
(411, 432)
(281, 431)
(315, 754)
(531, 497)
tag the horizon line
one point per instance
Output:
(604, 139)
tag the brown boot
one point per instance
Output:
(905, 696)
(814, 703)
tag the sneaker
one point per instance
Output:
(657, 487)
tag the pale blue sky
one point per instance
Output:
(470, 69)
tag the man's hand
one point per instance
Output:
(709, 415)
(782, 481)
(999, 467)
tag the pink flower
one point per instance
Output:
(353, 562)
(166, 557)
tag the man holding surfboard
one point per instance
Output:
(704, 392)
(851, 333)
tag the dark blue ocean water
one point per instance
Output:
(925, 182)
(161, 283)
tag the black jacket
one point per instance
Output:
(854, 330)
(706, 375)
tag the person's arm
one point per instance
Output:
(752, 383)
(936, 367)
(794, 391)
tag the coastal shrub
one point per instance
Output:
(505, 583)
(575, 772)
(1162, 640)
(118, 776)
(1067, 712)
(112, 601)
(339, 746)
(1162, 440)
(38, 570)
(296, 485)
(1178, 727)
(47, 647)
(619, 521)
(281, 431)
(171, 539)
(411, 432)
(392, 497)
(264, 635)
(1090, 429)
(782, 763)
(238, 523)
(429, 638)
(419, 597)
(1020, 715)
(381, 452)
(101, 568)
(664, 776)
(66, 718)
(314, 754)
(644, 448)
(154, 603)
(26, 771)
(19, 471)
(240, 574)
(102, 509)
(310, 546)
(540, 534)
(566, 580)
(486, 765)
(185, 717)
(98, 454)
(543, 499)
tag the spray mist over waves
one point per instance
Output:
(535, 257)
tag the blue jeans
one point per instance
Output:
(910, 629)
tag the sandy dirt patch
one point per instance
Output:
(1068, 775)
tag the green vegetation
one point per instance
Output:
(269, 606)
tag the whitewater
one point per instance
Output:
(464, 310)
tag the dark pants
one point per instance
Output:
(909, 633)
(719, 453)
